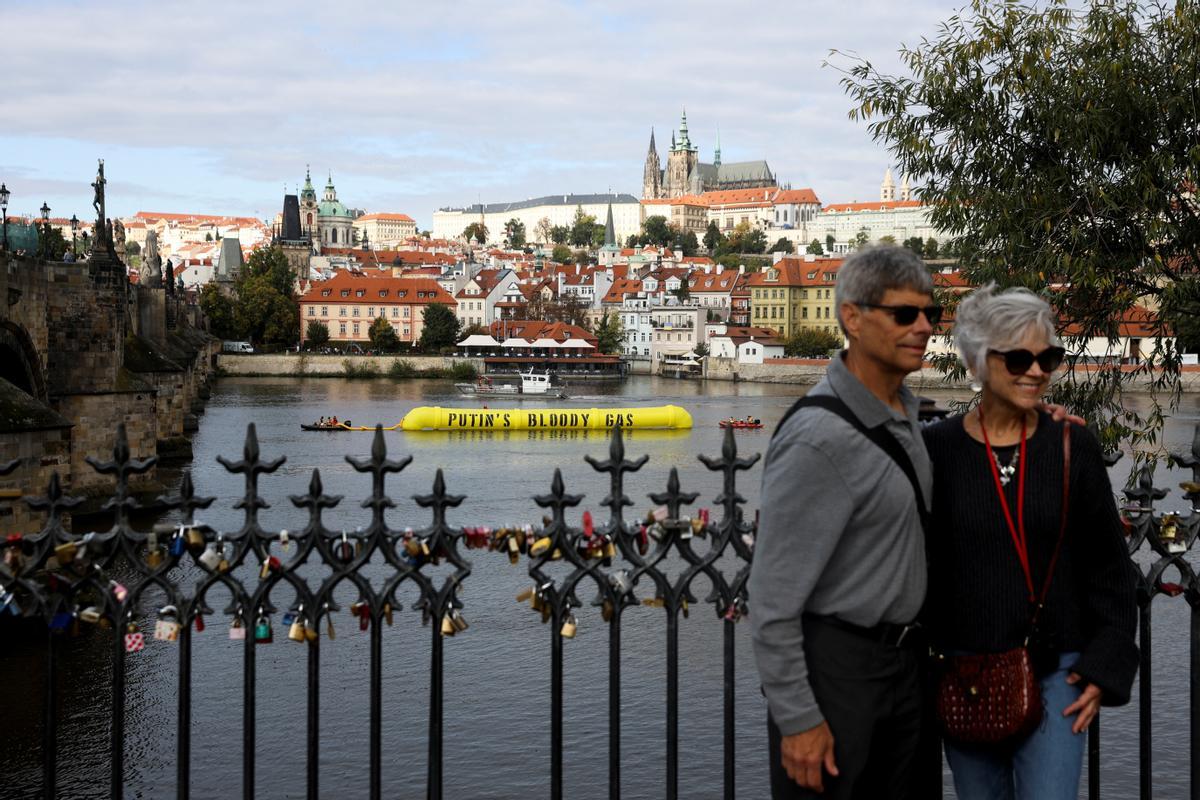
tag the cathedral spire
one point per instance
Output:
(653, 149)
(717, 154)
(684, 142)
(610, 233)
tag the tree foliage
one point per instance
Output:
(610, 333)
(1058, 145)
(218, 310)
(316, 333)
(265, 310)
(656, 231)
(560, 234)
(514, 231)
(561, 254)
(811, 343)
(713, 236)
(439, 328)
(383, 336)
(814, 248)
(477, 231)
(916, 244)
(783, 245)
(583, 229)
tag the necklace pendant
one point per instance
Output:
(1006, 474)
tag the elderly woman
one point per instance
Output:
(995, 556)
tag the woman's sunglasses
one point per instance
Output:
(1018, 362)
(907, 315)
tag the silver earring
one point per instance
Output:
(976, 386)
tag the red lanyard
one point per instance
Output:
(1017, 531)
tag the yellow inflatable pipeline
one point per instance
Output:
(436, 418)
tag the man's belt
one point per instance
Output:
(890, 634)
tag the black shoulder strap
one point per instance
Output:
(883, 439)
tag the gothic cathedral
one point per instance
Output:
(685, 175)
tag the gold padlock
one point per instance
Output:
(540, 546)
(525, 594)
(514, 550)
(458, 620)
(387, 613)
(65, 552)
(412, 547)
(296, 632)
(606, 610)
(569, 627)
(193, 539)
(448, 628)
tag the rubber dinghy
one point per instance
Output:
(436, 418)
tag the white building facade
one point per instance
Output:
(449, 223)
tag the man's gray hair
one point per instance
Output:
(988, 319)
(868, 274)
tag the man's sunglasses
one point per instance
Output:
(1018, 362)
(907, 315)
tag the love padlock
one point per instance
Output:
(345, 550)
(237, 630)
(296, 631)
(135, 640)
(262, 630)
(193, 538)
(569, 627)
(177, 546)
(329, 624)
(65, 553)
(210, 559)
(154, 554)
(285, 540)
(166, 627)
(270, 564)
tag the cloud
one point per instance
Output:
(438, 103)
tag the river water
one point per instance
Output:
(497, 673)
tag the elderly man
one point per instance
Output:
(839, 565)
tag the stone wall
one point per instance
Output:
(86, 330)
(321, 365)
(96, 417)
(42, 453)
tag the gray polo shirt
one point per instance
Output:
(839, 534)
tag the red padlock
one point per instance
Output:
(643, 542)
(589, 529)
(199, 623)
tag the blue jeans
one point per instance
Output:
(1044, 766)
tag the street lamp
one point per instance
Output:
(45, 230)
(4, 214)
(74, 228)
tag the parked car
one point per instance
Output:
(237, 347)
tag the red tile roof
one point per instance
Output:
(882, 205)
(382, 289)
(386, 217)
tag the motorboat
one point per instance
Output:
(533, 384)
(341, 425)
(740, 423)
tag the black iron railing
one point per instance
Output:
(66, 578)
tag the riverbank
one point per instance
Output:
(806, 372)
(311, 365)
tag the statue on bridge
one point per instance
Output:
(119, 238)
(100, 240)
(150, 274)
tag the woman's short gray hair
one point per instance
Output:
(867, 275)
(988, 319)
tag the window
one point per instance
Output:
(406, 330)
(342, 312)
(395, 312)
(312, 311)
(804, 313)
(383, 292)
(356, 329)
(342, 329)
(356, 311)
(325, 292)
(371, 312)
(324, 311)
(406, 308)
(360, 293)
(345, 292)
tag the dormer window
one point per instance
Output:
(345, 292)
(360, 292)
(325, 292)
(402, 293)
(383, 292)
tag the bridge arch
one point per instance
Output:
(19, 362)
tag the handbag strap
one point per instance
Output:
(1062, 524)
(879, 436)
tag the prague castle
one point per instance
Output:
(685, 175)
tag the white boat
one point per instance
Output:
(532, 384)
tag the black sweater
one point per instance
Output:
(978, 601)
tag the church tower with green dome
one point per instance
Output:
(334, 221)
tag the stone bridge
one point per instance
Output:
(81, 350)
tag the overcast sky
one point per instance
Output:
(215, 107)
